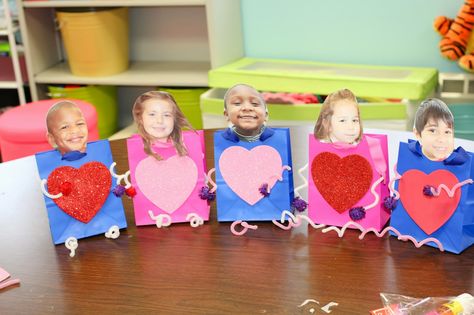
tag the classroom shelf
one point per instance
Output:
(139, 73)
(111, 3)
(171, 42)
(11, 70)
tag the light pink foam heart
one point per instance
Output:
(245, 171)
(167, 183)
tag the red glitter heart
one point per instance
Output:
(342, 182)
(428, 212)
(90, 187)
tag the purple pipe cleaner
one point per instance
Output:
(206, 194)
(299, 204)
(390, 203)
(118, 190)
(357, 213)
(427, 191)
(264, 190)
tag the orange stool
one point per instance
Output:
(23, 128)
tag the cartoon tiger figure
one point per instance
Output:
(455, 44)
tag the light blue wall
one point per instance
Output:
(378, 32)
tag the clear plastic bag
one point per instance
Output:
(406, 305)
(396, 304)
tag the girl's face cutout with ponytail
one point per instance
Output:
(158, 119)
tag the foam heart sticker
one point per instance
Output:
(167, 183)
(428, 212)
(87, 189)
(342, 182)
(245, 171)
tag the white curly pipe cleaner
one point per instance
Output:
(194, 219)
(209, 179)
(161, 220)
(391, 184)
(71, 244)
(46, 193)
(295, 221)
(450, 192)
(375, 194)
(292, 220)
(119, 178)
(305, 182)
(278, 177)
(113, 232)
(340, 233)
(245, 226)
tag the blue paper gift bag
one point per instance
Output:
(111, 213)
(254, 179)
(422, 214)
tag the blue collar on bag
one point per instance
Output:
(458, 157)
(73, 155)
(230, 135)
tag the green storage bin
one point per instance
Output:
(188, 101)
(104, 99)
(463, 120)
(212, 102)
(324, 78)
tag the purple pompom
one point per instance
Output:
(427, 190)
(389, 203)
(264, 190)
(118, 190)
(357, 213)
(206, 194)
(299, 204)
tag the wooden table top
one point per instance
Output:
(207, 270)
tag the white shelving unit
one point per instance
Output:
(171, 42)
(9, 31)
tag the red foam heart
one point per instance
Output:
(89, 188)
(342, 182)
(428, 212)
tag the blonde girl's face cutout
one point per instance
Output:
(436, 139)
(158, 119)
(345, 122)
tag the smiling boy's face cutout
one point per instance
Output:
(67, 129)
(246, 110)
(436, 139)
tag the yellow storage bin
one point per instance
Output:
(96, 40)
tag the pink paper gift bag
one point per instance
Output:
(170, 186)
(341, 177)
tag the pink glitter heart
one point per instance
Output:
(245, 171)
(167, 183)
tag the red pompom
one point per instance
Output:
(65, 188)
(131, 191)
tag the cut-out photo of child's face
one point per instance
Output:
(67, 129)
(158, 119)
(246, 110)
(345, 122)
(436, 139)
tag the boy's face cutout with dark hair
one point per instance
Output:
(436, 139)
